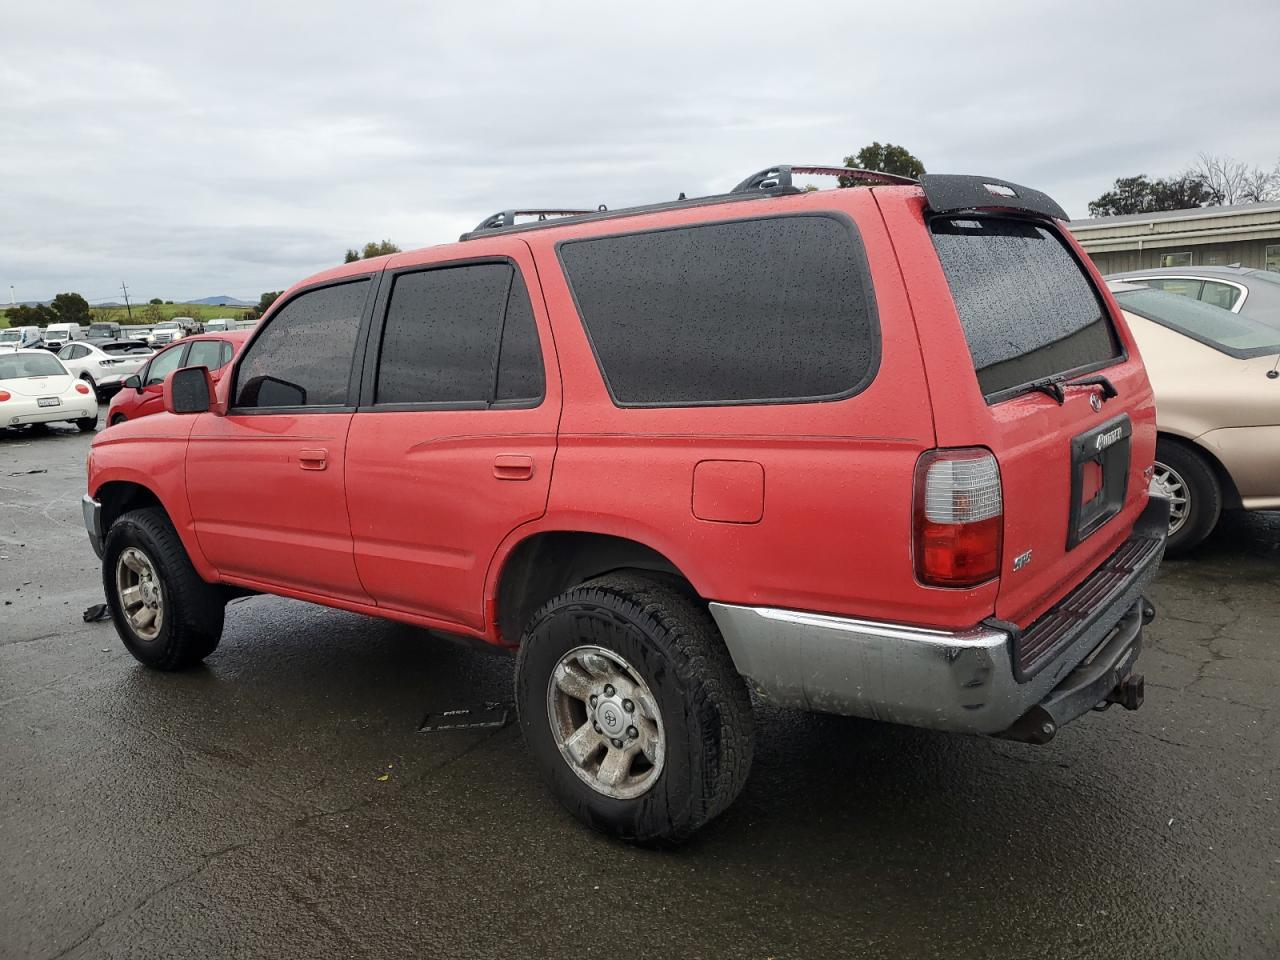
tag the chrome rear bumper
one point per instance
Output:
(963, 681)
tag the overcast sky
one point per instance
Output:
(201, 149)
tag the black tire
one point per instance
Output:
(191, 625)
(87, 424)
(670, 639)
(118, 418)
(1202, 490)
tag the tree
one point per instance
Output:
(155, 300)
(371, 249)
(25, 316)
(71, 308)
(883, 158)
(1232, 181)
(1141, 194)
(267, 299)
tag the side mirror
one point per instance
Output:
(133, 383)
(188, 390)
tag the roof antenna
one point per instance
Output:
(682, 196)
(1274, 372)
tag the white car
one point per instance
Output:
(166, 332)
(105, 366)
(219, 325)
(36, 388)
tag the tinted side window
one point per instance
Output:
(205, 353)
(303, 357)
(164, 364)
(1027, 308)
(749, 311)
(460, 334)
(519, 358)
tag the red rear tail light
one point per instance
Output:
(82, 388)
(4, 395)
(959, 517)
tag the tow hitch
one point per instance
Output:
(1106, 677)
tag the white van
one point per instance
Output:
(58, 335)
(19, 338)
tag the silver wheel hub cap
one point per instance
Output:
(605, 721)
(138, 590)
(1168, 483)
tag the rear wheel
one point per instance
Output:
(117, 418)
(87, 424)
(632, 708)
(166, 615)
(1195, 498)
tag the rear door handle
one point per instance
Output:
(313, 459)
(510, 466)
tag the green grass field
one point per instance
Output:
(148, 314)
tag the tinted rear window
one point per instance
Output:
(1027, 308)
(771, 310)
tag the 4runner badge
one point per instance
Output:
(1105, 440)
(1021, 560)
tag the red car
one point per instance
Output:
(881, 452)
(140, 395)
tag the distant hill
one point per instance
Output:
(223, 301)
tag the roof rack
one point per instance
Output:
(507, 218)
(772, 182)
(778, 177)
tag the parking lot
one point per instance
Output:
(278, 802)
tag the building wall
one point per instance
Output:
(1247, 253)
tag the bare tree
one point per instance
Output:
(1231, 181)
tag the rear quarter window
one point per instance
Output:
(1027, 307)
(774, 310)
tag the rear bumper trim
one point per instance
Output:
(962, 681)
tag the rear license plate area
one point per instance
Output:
(48, 402)
(1099, 476)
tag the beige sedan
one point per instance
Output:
(1216, 377)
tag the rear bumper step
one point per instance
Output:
(1104, 679)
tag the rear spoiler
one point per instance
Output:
(951, 193)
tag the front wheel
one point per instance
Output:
(166, 615)
(632, 708)
(1195, 497)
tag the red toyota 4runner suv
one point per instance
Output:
(881, 452)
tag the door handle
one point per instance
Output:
(313, 459)
(511, 466)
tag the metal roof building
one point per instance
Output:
(1247, 234)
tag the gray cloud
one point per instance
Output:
(237, 147)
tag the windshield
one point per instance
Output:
(15, 366)
(1223, 330)
(101, 327)
(167, 325)
(10, 335)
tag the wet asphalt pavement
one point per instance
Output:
(279, 803)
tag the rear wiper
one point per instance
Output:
(1097, 380)
(1049, 386)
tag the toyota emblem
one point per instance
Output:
(1095, 401)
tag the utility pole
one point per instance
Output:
(13, 299)
(126, 299)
